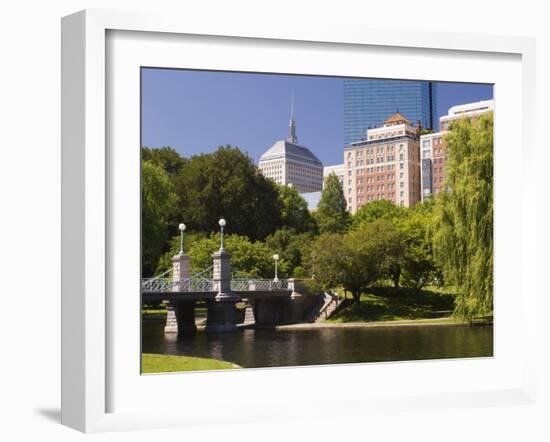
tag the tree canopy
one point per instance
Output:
(354, 260)
(463, 222)
(291, 246)
(226, 183)
(158, 202)
(294, 211)
(165, 157)
(250, 258)
(375, 210)
(417, 262)
(332, 215)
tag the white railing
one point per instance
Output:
(259, 285)
(200, 284)
(158, 285)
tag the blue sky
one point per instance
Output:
(197, 111)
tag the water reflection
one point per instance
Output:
(275, 348)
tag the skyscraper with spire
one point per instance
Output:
(288, 163)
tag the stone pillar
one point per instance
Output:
(171, 325)
(221, 274)
(295, 303)
(221, 315)
(180, 272)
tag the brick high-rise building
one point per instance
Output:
(384, 166)
(434, 148)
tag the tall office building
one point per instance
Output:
(384, 166)
(434, 148)
(289, 163)
(368, 102)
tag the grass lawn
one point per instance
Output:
(154, 363)
(160, 311)
(200, 311)
(391, 304)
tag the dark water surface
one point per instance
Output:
(276, 348)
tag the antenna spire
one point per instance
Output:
(292, 138)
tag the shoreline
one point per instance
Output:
(443, 322)
(432, 322)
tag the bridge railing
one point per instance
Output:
(183, 285)
(199, 284)
(259, 285)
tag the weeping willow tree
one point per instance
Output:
(463, 221)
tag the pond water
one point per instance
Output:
(276, 348)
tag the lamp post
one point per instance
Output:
(182, 228)
(221, 222)
(276, 258)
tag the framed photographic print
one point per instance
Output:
(247, 214)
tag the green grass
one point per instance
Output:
(391, 304)
(159, 311)
(200, 311)
(154, 363)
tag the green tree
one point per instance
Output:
(289, 244)
(417, 262)
(463, 224)
(294, 211)
(354, 260)
(324, 260)
(375, 210)
(391, 248)
(158, 201)
(165, 157)
(189, 238)
(386, 210)
(332, 215)
(251, 258)
(227, 183)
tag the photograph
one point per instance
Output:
(301, 220)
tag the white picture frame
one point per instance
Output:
(87, 210)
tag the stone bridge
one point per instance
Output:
(269, 301)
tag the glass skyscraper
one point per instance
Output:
(368, 102)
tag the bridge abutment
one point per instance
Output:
(278, 310)
(185, 315)
(221, 316)
(176, 319)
